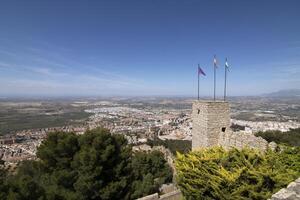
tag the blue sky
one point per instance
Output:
(57, 48)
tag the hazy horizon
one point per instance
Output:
(84, 96)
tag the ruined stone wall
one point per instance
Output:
(150, 197)
(174, 195)
(242, 139)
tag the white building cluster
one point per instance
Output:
(252, 126)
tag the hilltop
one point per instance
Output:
(284, 93)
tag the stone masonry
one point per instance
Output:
(174, 195)
(210, 118)
(211, 127)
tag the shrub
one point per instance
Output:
(235, 174)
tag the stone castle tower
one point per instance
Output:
(210, 120)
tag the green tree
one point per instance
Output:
(149, 171)
(291, 137)
(95, 165)
(58, 150)
(103, 165)
(3, 183)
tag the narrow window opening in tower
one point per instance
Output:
(223, 129)
(198, 111)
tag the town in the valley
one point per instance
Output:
(138, 119)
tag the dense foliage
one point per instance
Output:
(182, 146)
(3, 186)
(150, 171)
(231, 175)
(95, 165)
(291, 137)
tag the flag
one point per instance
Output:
(215, 62)
(226, 65)
(200, 71)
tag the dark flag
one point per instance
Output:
(200, 72)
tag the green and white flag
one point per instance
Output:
(226, 65)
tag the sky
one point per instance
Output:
(147, 47)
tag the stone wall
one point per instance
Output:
(292, 192)
(175, 195)
(150, 197)
(242, 139)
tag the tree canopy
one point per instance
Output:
(291, 137)
(95, 165)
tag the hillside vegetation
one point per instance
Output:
(217, 174)
(291, 138)
(181, 146)
(95, 165)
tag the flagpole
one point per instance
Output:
(214, 83)
(225, 82)
(198, 81)
(214, 80)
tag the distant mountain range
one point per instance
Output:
(284, 93)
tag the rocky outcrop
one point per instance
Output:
(292, 192)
